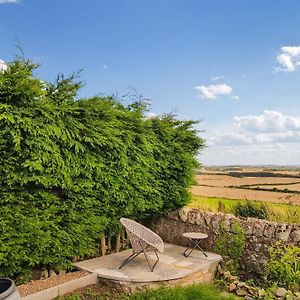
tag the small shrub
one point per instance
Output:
(283, 266)
(251, 210)
(230, 245)
(221, 207)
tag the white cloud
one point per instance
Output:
(214, 78)
(3, 65)
(235, 97)
(269, 121)
(8, 1)
(288, 59)
(268, 138)
(214, 91)
(230, 138)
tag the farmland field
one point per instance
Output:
(251, 184)
(275, 211)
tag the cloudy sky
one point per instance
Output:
(234, 65)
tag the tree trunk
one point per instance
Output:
(103, 246)
(123, 241)
(118, 244)
(109, 244)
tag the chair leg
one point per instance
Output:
(144, 251)
(134, 255)
(155, 251)
(153, 266)
(129, 259)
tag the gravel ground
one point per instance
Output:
(96, 292)
(35, 286)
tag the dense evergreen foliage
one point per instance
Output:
(70, 168)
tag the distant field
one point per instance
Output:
(225, 180)
(217, 183)
(276, 211)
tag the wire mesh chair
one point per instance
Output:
(142, 239)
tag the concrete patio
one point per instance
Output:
(172, 269)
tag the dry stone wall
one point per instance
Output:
(260, 234)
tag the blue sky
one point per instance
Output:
(233, 64)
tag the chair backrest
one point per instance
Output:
(141, 237)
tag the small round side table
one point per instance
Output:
(194, 242)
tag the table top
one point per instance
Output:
(195, 235)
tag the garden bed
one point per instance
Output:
(35, 286)
(57, 285)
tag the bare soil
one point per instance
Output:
(35, 286)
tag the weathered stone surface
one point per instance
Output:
(233, 278)
(270, 229)
(295, 236)
(258, 228)
(280, 292)
(261, 293)
(39, 274)
(208, 217)
(192, 216)
(200, 219)
(52, 273)
(252, 290)
(283, 232)
(295, 287)
(248, 226)
(241, 284)
(241, 292)
(232, 287)
(184, 213)
(215, 224)
(174, 215)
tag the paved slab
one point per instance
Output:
(172, 265)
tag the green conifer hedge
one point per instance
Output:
(70, 168)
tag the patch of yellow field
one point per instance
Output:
(225, 180)
(233, 193)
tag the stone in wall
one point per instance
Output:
(295, 236)
(270, 229)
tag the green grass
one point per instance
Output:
(275, 211)
(193, 292)
(203, 291)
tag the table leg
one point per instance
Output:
(193, 247)
(187, 248)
